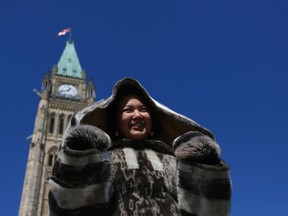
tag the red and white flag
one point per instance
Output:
(63, 32)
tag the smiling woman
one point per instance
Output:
(130, 155)
(134, 119)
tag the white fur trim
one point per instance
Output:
(131, 158)
(154, 159)
(75, 198)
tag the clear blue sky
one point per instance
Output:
(222, 63)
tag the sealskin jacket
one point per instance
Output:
(177, 171)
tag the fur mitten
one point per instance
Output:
(84, 137)
(196, 147)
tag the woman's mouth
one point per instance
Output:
(137, 124)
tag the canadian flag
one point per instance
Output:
(63, 32)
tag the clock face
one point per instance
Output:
(67, 90)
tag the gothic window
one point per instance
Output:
(49, 88)
(50, 160)
(46, 85)
(61, 124)
(92, 93)
(52, 123)
(51, 157)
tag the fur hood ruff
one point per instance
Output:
(166, 124)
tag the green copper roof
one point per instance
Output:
(69, 64)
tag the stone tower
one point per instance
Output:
(62, 93)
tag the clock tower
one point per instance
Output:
(63, 92)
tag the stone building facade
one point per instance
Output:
(63, 92)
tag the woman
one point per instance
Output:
(130, 155)
(134, 119)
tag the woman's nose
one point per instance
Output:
(137, 114)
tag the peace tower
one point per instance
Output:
(63, 92)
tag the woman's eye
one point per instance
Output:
(144, 109)
(127, 110)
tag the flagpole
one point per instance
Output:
(70, 35)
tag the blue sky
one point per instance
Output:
(222, 63)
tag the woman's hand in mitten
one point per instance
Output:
(194, 146)
(84, 137)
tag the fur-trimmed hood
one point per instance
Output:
(166, 124)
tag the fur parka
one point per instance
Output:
(177, 171)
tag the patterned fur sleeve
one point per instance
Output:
(81, 181)
(204, 185)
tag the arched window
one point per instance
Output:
(50, 160)
(52, 123)
(61, 124)
(51, 156)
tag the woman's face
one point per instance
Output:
(134, 119)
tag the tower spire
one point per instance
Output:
(69, 64)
